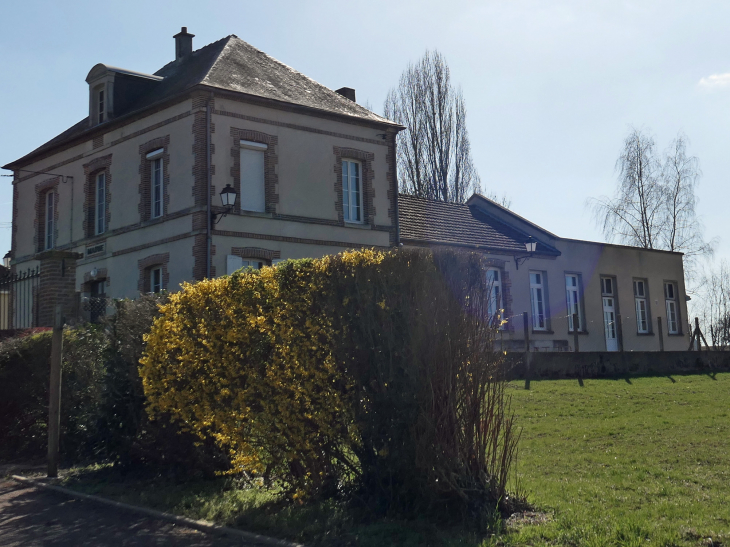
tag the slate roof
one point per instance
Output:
(232, 65)
(436, 222)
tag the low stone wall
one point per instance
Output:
(603, 364)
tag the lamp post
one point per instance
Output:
(228, 200)
(530, 246)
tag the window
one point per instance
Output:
(253, 193)
(642, 313)
(50, 214)
(670, 296)
(100, 204)
(156, 183)
(537, 300)
(156, 280)
(101, 105)
(351, 191)
(494, 286)
(234, 263)
(572, 294)
(607, 286)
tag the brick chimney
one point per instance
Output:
(183, 43)
(347, 92)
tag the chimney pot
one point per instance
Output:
(183, 43)
(347, 92)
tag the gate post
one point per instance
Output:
(57, 285)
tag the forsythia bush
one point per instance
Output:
(248, 360)
(367, 370)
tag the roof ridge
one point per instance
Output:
(430, 200)
(295, 71)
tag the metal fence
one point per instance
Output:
(93, 309)
(19, 299)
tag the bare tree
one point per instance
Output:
(634, 216)
(715, 305)
(654, 206)
(434, 152)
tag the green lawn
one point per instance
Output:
(640, 461)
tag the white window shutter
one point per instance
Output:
(233, 263)
(253, 197)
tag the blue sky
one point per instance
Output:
(551, 87)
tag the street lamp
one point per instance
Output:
(228, 199)
(530, 246)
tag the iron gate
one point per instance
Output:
(19, 299)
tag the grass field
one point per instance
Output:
(640, 461)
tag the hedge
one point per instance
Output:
(367, 373)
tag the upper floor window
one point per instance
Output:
(101, 105)
(494, 286)
(352, 191)
(253, 187)
(537, 300)
(574, 304)
(156, 183)
(100, 204)
(50, 211)
(670, 296)
(642, 306)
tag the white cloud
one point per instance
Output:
(715, 81)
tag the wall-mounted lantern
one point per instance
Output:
(228, 200)
(530, 246)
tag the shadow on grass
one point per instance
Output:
(672, 379)
(233, 502)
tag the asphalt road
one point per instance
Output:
(32, 517)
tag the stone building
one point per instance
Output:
(134, 199)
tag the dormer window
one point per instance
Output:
(100, 104)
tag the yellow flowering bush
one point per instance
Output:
(247, 359)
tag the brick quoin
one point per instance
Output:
(57, 286)
(392, 179)
(200, 246)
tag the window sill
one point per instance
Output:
(580, 333)
(542, 331)
(679, 334)
(260, 214)
(357, 225)
(644, 334)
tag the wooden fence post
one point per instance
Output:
(528, 355)
(54, 405)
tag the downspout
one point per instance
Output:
(209, 186)
(394, 167)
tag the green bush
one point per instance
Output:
(103, 414)
(24, 380)
(399, 344)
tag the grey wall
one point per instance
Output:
(601, 364)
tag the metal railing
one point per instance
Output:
(19, 299)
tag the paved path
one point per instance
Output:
(32, 517)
